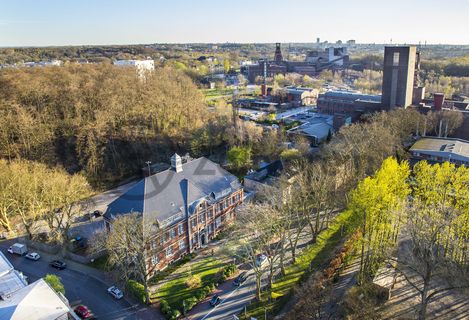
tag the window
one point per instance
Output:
(395, 59)
(210, 228)
(194, 223)
(182, 244)
(202, 217)
(180, 229)
(169, 251)
(210, 214)
(153, 244)
(163, 239)
(172, 233)
(217, 222)
(155, 260)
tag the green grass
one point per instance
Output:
(211, 93)
(100, 263)
(314, 255)
(175, 291)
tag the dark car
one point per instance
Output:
(240, 279)
(215, 300)
(97, 213)
(83, 312)
(58, 264)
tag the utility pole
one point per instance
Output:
(149, 168)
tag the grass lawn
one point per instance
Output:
(175, 291)
(100, 263)
(315, 255)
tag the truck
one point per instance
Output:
(18, 248)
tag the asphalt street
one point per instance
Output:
(80, 288)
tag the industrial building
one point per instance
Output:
(352, 103)
(440, 150)
(315, 62)
(398, 76)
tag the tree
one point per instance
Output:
(129, 244)
(55, 282)
(239, 157)
(377, 204)
(437, 228)
(226, 65)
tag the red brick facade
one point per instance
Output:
(188, 235)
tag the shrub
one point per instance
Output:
(164, 306)
(137, 290)
(55, 282)
(175, 314)
(194, 282)
(189, 303)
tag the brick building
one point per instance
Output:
(191, 203)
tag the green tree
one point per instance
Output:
(226, 65)
(55, 282)
(239, 157)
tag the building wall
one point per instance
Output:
(191, 234)
(398, 76)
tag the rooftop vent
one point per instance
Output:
(176, 163)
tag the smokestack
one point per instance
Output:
(438, 100)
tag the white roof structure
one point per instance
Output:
(37, 301)
(10, 279)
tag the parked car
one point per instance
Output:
(97, 213)
(215, 300)
(115, 292)
(83, 312)
(33, 256)
(240, 278)
(261, 259)
(18, 248)
(58, 264)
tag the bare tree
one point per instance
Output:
(128, 245)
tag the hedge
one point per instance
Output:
(137, 290)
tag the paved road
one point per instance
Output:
(80, 288)
(233, 300)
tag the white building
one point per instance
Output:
(36, 301)
(140, 65)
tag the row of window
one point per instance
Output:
(181, 246)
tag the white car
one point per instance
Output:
(33, 256)
(115, 292)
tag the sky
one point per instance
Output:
(102, 22)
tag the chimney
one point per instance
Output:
(176, 163)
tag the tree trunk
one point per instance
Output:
(258, 287)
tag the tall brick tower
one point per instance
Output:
(278, 53)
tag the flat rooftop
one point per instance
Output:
(456, 146)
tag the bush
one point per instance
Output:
(189, 303)
(175, 314)
(229, 270)
(194, 282)
(55, 282)
(137, 290)
(164, 306)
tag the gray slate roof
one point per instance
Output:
(162, 195)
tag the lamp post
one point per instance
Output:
(149, 169)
